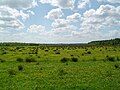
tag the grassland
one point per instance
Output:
(59, 67)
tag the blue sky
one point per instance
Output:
(59, 21)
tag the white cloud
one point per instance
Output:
(11, 11)
(23, 15)
(62, 27)
(105, 16)
(65, 27)
(74, 17)
(110, 1)
(8, 17)
(114, 1)
(99, 24)
(58, 23)
(114, 34)
(36, 29)
(83, 3)
(54, 14)
(102, 0)
(30, 12)
(64, 4)
(19, 4)
(64, 31)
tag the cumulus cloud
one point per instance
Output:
(11, 11)
(58, 23)
(102, 0)
(83, 3)
(105, 16)
(8, 18)
(54, 14)
(110, 1)
(74, 17)
(30, 12)
(114, 1)
(19, 4)
(62, 27)
(64, 4)
(114, 34)
(103, 23)
(36, 28)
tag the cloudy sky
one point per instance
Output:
(59, 21)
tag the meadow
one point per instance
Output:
(60, 67)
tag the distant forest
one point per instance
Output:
(115, 41)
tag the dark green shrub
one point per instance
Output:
(1, 60)
(38, 56)
(117, 66)
(4, 53)
(37, 63)
(46, 50)
(20, 68)
(112, 59)
(62, 72)
(19, 59)
(57, 52)
(11, 72)
(63, 60)
(74, 59)
(117, 58)
(109, 73)
(82, 54)
(89, 52)
(30, 59)
(94, 59)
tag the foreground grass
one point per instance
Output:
(92, 75)
(90, 72)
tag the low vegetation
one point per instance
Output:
(11, 72)
(63, 60)
(74, 59)
(20, 68)
(19, 59)
(59, 67)
(30, 59)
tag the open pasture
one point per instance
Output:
(60, 67)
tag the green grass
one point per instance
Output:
(90, 72)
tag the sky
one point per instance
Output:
(59, 21)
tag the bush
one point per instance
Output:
(46, 50)
(74, 59)
(57, 52)
(37, 63)
(109, 73)
(62, 72)
(1, 60)
(117, 58)
(88, 52)
(112, 59)
(63, 60)
(4, 53)
(20, 67)
(94, 59)
(117, 66)
(82, 54)
(30, 60)
(11, 72)
(19, 60)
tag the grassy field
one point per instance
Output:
(59, 68)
